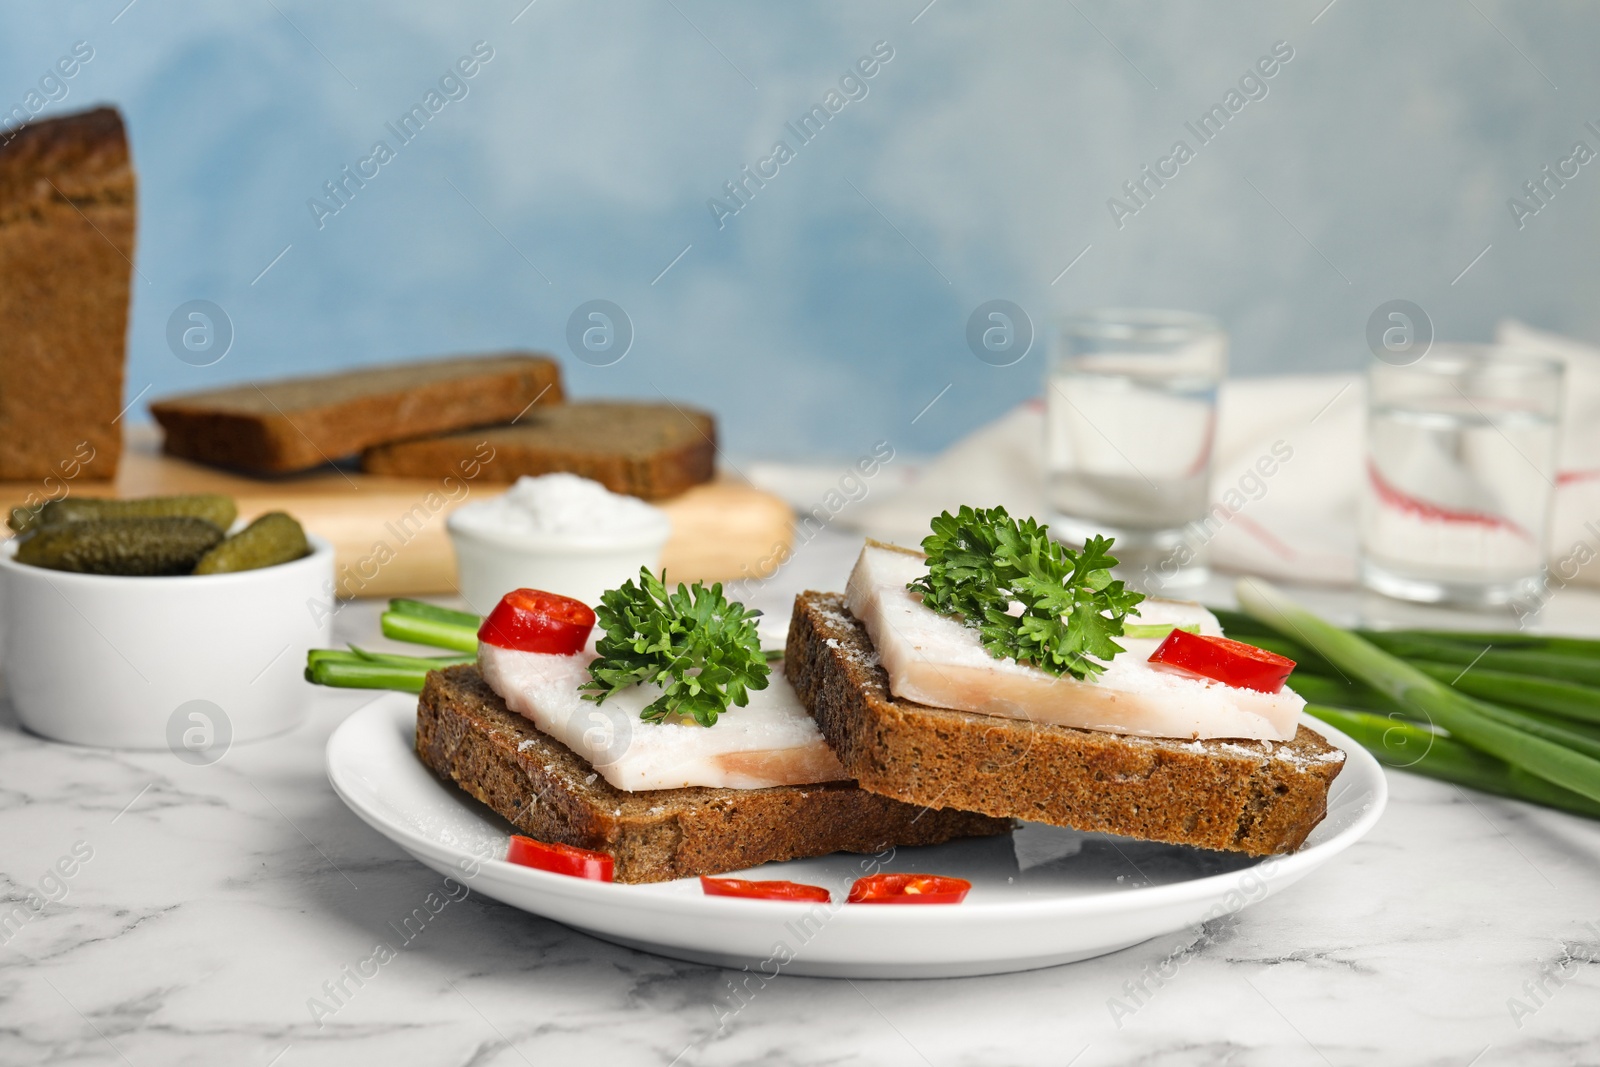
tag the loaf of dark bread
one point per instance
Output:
(295, 424)
(467, 735)
(652, 451)
(67, 222)
(1258, 797)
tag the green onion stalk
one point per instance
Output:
(427, 624)
(406, 620)
(1537, 746)
(1413, 747)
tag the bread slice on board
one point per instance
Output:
(652, 451)
(67, 221)
(295, 424)
(1258, 797)
(467, 735)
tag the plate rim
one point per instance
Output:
(680, 903)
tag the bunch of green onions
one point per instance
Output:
(1515, 714)
(406, 620)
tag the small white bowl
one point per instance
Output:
(491, 564)
(192, 663)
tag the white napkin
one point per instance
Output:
(1299, 521)
(1575, 527)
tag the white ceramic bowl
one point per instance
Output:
(491, 564)
(192, 663)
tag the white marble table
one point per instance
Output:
(207, 906)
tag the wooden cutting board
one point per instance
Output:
(389, 533)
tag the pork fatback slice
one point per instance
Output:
(771, 741)
(936, 660)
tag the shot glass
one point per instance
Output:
(1460, 475)
(1130, 417)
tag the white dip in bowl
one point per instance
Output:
(557, 532)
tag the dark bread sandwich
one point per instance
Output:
(468, 736)
(1003, 672)
(1254, 796)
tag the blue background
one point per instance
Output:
(832, 308)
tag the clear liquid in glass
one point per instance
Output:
(1130, 452)
(1456, 498)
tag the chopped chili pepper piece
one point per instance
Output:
(772, 890)
(530, 620)
(560, 859)
(909, 889)
(1224, 660)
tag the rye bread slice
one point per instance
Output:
(295, 424)
(68, 215)
(467, 735)
(1259, 797)
(652, 451)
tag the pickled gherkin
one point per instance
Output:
(141, 546)
(271, 539)
(216, 508)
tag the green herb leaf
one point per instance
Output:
(982, 562)
(700, 647)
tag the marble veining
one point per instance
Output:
(210, 909)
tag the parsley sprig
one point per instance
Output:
(982, 562)
(700, 647)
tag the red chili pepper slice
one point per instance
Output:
(771, 890)
(560, 859)
(530, 620)
(1224, 660)
(909, 889)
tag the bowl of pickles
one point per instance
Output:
(162, 622)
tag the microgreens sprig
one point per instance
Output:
(982, 563)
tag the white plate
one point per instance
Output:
(1040, 896)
